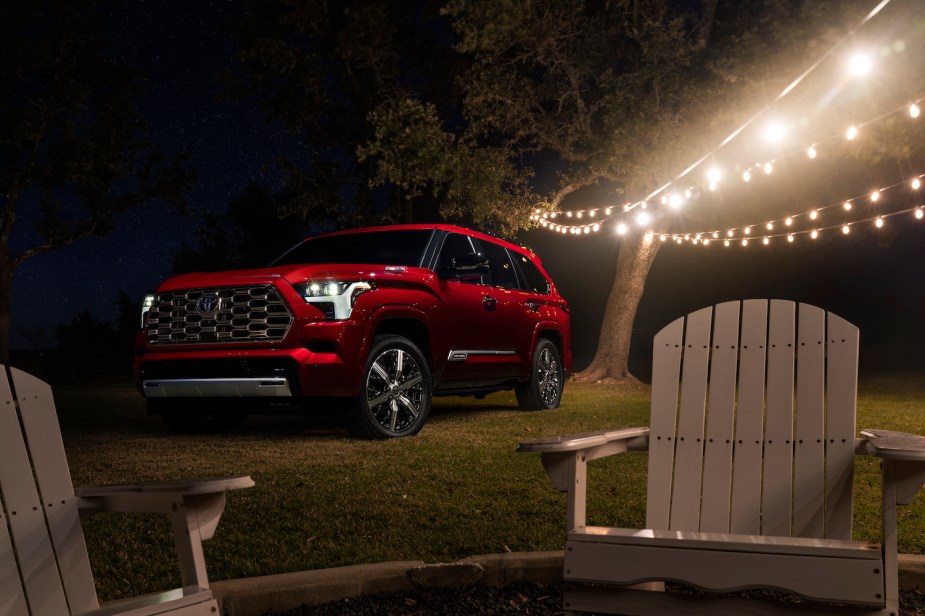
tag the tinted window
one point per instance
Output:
(533, 278)
(454, 245)
(502, 270)
(380, 247)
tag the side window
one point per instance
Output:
(454, 245)
(533, 279)
(502, 270)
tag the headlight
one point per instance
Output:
(335, 298)
(146, 307)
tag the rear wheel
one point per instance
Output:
(543, 390)
(395, 391)
(196, 416)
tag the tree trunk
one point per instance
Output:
(611, 361)
(6, 295)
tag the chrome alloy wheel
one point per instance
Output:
(395, 390)
(549, 377)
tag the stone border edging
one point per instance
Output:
(259, 595)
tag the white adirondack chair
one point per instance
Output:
(751, 446)
(44, 567)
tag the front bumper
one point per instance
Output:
(223, 388)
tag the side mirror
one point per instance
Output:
(467, 265)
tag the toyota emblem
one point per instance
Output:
(208, 305)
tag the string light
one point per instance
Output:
(852, 133)
(811, 152)
(914, 111)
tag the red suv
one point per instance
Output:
(382, 317)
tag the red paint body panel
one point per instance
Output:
(326, 357)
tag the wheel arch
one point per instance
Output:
(415, 327)
(554, 335)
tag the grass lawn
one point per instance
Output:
(458, 489)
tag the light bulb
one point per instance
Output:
(852, 133)
(621, 228)
(914, 111)
(919, 214)
(789, 221)
(813, 215)
(814, 234)
(766, 241)
(845, 229)
(747, 176)
(916, 184)
(879, 222)
(770, 226)
(790, 237)
(768, 168)
(811, 152)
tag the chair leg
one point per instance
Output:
(888, 519)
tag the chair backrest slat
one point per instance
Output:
(809, 452)
(746, 489)
(666, 360)
(36, 559)
(841, 416)
(717, 457)
(688, 473)
(776, 504)
(43, 435)
(765, 446)
(12, 595)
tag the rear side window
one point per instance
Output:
(533, 279)
(499, 262)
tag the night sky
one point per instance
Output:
(181, 48)
(876, 281)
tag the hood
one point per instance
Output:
(291, 273)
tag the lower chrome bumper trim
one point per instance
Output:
(214, 388)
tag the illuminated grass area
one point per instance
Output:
(458, 489)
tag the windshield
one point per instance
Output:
(379, 247)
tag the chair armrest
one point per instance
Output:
(634, 439)
(566, 458)
(155, 496)
(893, 445)
(195, 507)
(905, 452)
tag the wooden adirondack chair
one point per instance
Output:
(44, 567)
(751, 446)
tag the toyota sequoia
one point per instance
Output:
(372, 321)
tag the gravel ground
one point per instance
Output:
(522, 598)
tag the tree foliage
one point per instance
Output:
(72, 149)
(484, 111)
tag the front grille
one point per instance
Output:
(218, 315)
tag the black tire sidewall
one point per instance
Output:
(363, 424)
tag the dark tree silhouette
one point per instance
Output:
(72, 147)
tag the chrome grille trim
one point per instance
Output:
(242, 314)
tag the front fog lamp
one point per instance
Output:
(334, 298)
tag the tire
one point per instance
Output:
(543, 390)
(395, 391)
(196, 416)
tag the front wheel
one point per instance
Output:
(543, 390)
(395, 392)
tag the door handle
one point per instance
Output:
(489, 302)
(532, 306)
